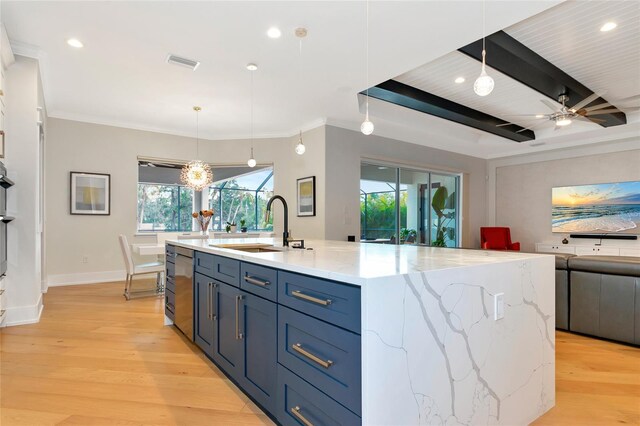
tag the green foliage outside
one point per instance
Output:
(239, 204)
(378, 214)
(164, 208)
(444, 207)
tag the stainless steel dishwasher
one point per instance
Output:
(184, 291)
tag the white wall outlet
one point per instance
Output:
(85, 259)
(498, 306)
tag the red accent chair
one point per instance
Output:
(497, 238)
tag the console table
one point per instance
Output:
(588, 249)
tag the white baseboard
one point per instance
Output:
(85, 278)
(20, 315)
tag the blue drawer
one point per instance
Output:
(259, 280)
(170, 253)
(298, 400)
(221, 268)
(170, 304)
(322, 354)
(335, 303)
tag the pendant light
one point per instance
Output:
(300, 33)
(484, 83)
(252, 161)
(367, 126)
(197, 174)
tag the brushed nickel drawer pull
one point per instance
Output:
(208, 300)
(298, 415)
(256, 281)
(238, 334)
(298, 348)
(214, 295)
(301, 295)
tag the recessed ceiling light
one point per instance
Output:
(74, 42)
(459, 80)
(274, 32)
(252, 67)
(608, 26)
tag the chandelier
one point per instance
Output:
(196, 174)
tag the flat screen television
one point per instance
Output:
(603, 208)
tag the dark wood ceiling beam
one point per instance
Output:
(409, 97)
(510, 57)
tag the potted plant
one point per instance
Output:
(443, 201)
(231, 227)
(243, 225)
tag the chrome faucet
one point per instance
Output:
(285, 234)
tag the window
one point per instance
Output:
(403, 206)
(240, 198)
(164, 207)
(164, 204)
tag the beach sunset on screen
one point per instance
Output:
(609, 207)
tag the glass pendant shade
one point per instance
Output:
(251, 162)
(300, 148)
(367, 126)
(196, 175)
(484, 83)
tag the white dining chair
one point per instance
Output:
(144, 268)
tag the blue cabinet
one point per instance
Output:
(322, 354)
(259, 337)
(291, 342)
(335, 303)
(203, 290)
(227, 344)
(299, 403)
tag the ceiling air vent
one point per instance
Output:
(183, 62)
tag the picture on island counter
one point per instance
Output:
(90, 193)
(307, 196)
(600, 208)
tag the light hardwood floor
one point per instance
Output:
(96, 359)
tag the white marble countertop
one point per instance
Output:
(356, 263)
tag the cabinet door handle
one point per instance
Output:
(256, 281)
(208, 300)
(298, 348)
(301, 295)
(214, 298)
(298, 415)
(238, 334)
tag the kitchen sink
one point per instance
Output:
(249, 247)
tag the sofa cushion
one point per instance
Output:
(562, 260)
(613, 265)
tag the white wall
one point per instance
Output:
(77, 146)
(23, 97)
(520, 187)
(346, 149)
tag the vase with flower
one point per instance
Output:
(204, 218)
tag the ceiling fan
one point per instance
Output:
(565, 115)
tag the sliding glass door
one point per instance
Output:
(405, 206)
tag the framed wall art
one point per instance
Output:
(307, 196)
(90, 193)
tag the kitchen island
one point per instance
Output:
(349, 333)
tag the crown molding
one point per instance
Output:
(141, 127)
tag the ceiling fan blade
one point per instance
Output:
(520, 115)
(586, 101)
(550, 105)
(531, 127)
(506, 124)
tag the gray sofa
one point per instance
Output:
(604, 297)
(562, 291)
